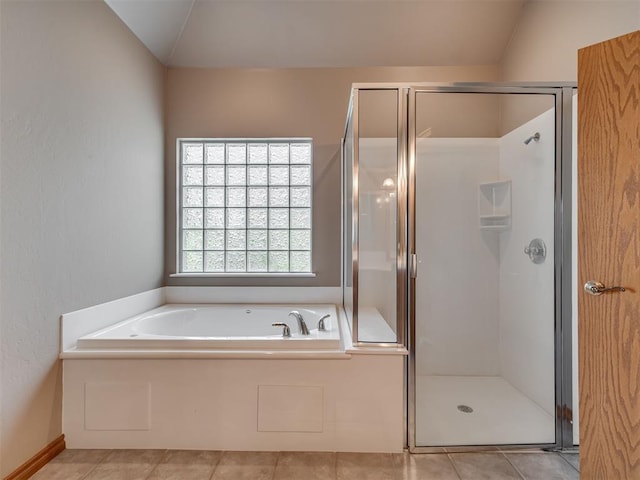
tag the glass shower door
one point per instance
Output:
(484, 296)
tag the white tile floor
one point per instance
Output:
(501, 414)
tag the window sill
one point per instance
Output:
(244, 275)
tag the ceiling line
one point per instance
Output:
(179, 37)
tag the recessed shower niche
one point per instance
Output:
(494, 205)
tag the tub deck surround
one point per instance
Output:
(236, 404)
(74, 325)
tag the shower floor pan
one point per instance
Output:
(500, 413)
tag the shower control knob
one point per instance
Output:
(597, 288)
(536, 250)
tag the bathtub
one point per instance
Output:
(219, 327)
(197, 374)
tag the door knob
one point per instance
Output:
(598, 288)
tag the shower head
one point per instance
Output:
(535, 136)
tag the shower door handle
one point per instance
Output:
(597, 288)
(413, 265)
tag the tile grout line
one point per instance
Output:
(151, 472)
(514, 466)
(95, 465)
(453, 464)
(273, 475)
(571, 464)
(215, 466)
(86, 475)
(164, 454)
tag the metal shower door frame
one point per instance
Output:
(562, 94)
(401, 92)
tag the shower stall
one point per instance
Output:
(458, 241)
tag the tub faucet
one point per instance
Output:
(301, 325)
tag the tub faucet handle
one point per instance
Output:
(321, 325)
(286, 331)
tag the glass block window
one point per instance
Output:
(245, 205)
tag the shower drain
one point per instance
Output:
(465, 409)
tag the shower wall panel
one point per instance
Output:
(526, 289)
(457, 289)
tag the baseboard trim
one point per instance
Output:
(39, 460)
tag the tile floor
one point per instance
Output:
(214, 465)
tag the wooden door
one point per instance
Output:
(609, 252)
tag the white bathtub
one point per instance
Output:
(219, 327)
(199, 375)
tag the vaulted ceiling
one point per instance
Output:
(321, 33)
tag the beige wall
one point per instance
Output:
(281, 103)
(545, 43)
(544, 46)
(82, 193)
